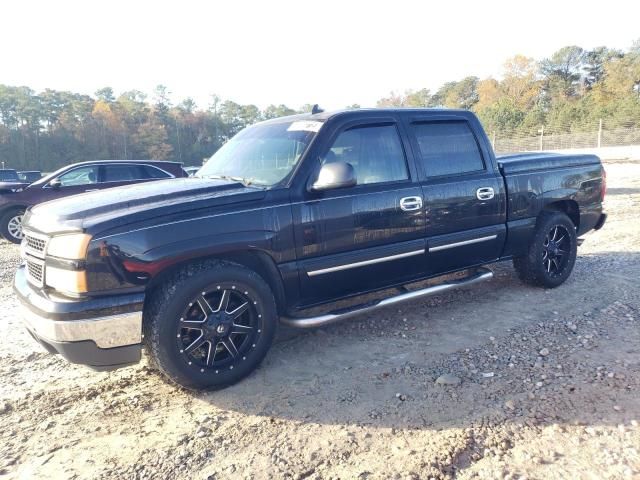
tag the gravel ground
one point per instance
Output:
(498, 380)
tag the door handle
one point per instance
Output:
(410, 204)
(485, 193)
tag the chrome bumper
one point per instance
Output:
(103, 333)
(106, 332)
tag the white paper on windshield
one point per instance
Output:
(306, 126)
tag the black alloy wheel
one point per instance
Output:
(210, 324)
(218, 328)
(551, 253)
(555, 250)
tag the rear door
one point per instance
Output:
(464, 194)
(355, 239)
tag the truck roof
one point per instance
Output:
(128, 161)
(323, 116)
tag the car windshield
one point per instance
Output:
(262, 154)
(9, 176)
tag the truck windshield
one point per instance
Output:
(262, 154)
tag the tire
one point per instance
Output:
(174, 321)
(551, 253)
(11, 225)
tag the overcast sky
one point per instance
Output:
(334, 53)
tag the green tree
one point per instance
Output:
(152, 140)
(106, 95)
(273, 111)
(563, 71)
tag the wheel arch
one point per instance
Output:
(256, 260)
(10, 208)
(567, 206)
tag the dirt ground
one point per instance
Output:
(549, 388)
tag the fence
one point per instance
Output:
(599, 137)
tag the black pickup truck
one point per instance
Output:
(294, 213)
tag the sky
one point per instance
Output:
(335, 53)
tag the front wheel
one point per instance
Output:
(210, 325)
(552, 252)
(11, 226)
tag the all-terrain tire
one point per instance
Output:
(551, 252)
(194, 293)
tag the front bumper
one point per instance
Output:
(102, 333)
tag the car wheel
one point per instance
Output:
(552, 251)
(11, 225)
(210, 325)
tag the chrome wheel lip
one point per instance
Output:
(14, 227)
(556, 249)
(230, 328)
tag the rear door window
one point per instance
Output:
(147, 171)
(120, 173)
(131, 172)
(447, 148)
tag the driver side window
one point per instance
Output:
(79, 176)
(375, 152)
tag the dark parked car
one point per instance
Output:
(75, 179)
(8, 175)
(30, 176)
(290, 214)
(10, 181)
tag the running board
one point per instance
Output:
(335, 316)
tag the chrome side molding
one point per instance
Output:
(310, 322)
(460, 244)
(373, 261)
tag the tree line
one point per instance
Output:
(569, 91)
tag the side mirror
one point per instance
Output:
(334, 175)
(55, 183)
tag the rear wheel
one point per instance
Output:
(11, 225)
(552, 251)
(211, 325)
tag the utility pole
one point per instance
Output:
(600, 134)
(493, 139)
(541, 132)
(178, 135)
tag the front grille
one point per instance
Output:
(35, 271)
(35, 244)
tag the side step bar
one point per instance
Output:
(310, 322)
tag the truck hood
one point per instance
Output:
(136, 203)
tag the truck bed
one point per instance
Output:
(529, 162)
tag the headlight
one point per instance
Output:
(72, 246)
(69, 281)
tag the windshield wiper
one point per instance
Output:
(225, 177)
(245, 181)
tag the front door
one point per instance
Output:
(364, 237)
(74, 181)
(464, 195)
